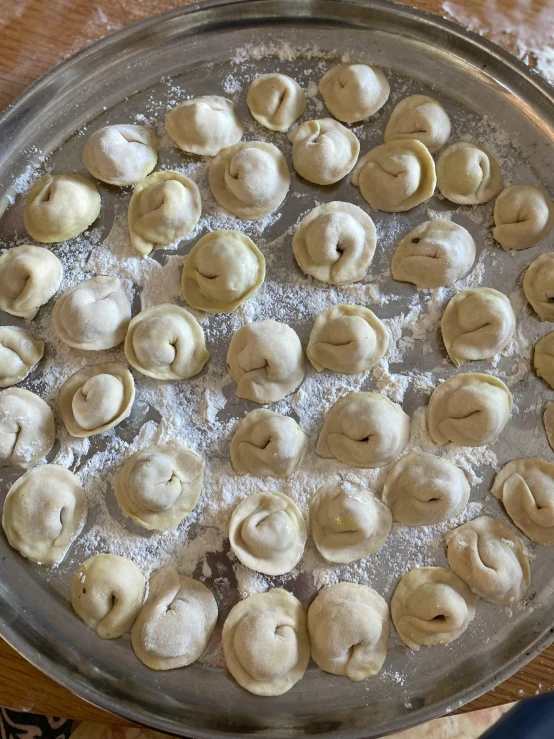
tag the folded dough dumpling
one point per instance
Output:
(543, 358)
(348, 522)
(29, 277)
(431, 605)
(419, 117)
(221, 271)
(107, 593)
(121, 154)
(396, 176)
(347, 339)
(364, 430)
(27, 429)
(477, 324)
(538, 286)
(276, 101)
(267, 533)
(434, 254)
(266, 643)
(266, 361)
(491, 559)
(96, 399)
(159, 486)
(267, 444)
(335, 243)
(468, 174)
(469, 409)
(19, 353)
(523, 216)
(323, 151)
(353, 92)
(175, 624)
(349, 627)
(204, 125)
(44, 512)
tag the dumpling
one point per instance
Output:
(335, 243)
(423, 490)
(364, 430)
(165, 207)
(221, 271)
(353, 92)
(431, 605)
(323, 151)
(348, 522)
(166, 342)
(523, 216)
(349, 627)
(266, 643)
(92, 315)
(467, 174)
(96, 399)
(538, 286)
(543, 358)
(204, 125)
(176, 622)
(469, 409)
(491, 559)
(29, 277)
(159, 486)
(121, 154)
(434, 254)
(107, 593)
(19, 353)
(419, 117)
(267, 444)
(59, 207)
(27, 429)
(267, 533)
(250, 180)
(276, 101)
(347, 339)
(477, 324)
(44, 512)
(396, 176)
(266, 361)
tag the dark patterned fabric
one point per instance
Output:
(20, 725)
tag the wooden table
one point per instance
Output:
(35, 35)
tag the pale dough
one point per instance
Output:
(121, 154)
(276, 101)
(20, 351)
(29, 277)
(27, 429)
(204, 125)
(323, 151)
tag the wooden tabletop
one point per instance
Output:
(35, 35)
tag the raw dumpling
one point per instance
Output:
(267, 444)
(19, 352)
(60, 206)
(107, 593)
(364, 430)
(469, 409)
(349, 627)
(423, 490)
(221, 271)
(204, 125)
(121, 154)
(266, 361)
(467, 174)
(419, 117)
(165, 207)
(44, 512)
(176, 622)
(396, 176)
(266, 643)
(250, 180)
(347, 339)
(276, 101)
(92, 315)
(523, 216)
(323, 151)
(96, 399)
(477, 324)
(543, 358)
(166, 342)
(29, 277)
(348, 522)
(434, 254)
(353, 92)
(335, 243)
(538, 286)
(27, 429)
(431, 605)
(267, 533)
(159, 486)
(491, 559)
